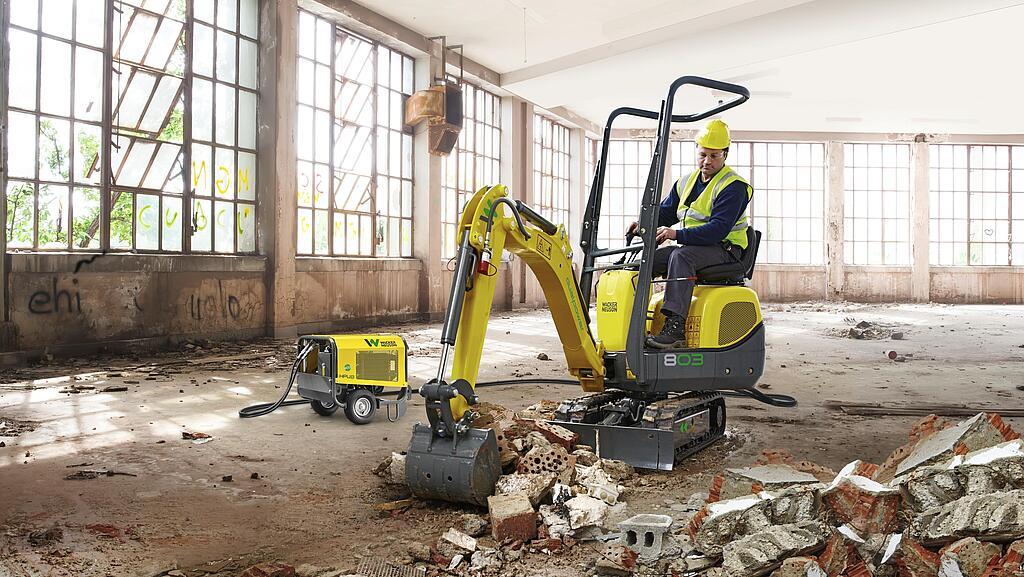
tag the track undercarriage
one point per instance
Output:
(648, 431)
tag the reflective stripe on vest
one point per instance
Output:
(700, 211)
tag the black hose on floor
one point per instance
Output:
(774, 400)
(261, 409)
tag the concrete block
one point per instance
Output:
(535, 486)
(715, 524)
(969, 435)
(996, 517)
(867, 505)
(596, 483)
(455, 542)
(645, 534)
(968, 558)
(586, 511)
(764, 551)
(751, 480)
(512, 518)
(800, 567)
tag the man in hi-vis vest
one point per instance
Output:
(704, 220)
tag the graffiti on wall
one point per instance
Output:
(222, 304)
(55, 299)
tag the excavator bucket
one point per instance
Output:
(462, 469)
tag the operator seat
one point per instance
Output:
(733, 273)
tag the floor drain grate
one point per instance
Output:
(376, 567)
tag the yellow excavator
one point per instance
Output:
(647, 407)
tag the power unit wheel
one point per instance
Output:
(322, 409)
(360, 406)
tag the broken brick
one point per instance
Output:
(764, 551)
(913, 560)
(535, 486)
(555, 434)
(868, 506)
(269, 569)
(969, 435)
(512, 518)
(714, 525)
(841, 557)
(751, 480)
(800, 567)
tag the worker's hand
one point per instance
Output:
(665, 233)
(631, 229)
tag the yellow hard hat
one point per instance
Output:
(714, 135)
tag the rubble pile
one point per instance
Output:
(948, 503)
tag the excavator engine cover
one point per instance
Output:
(462, 469)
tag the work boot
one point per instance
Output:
(672, 335)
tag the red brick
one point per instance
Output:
(841, 557)
(715, 492)
(553, 433)
(866, 506)
(972, 557)
(913, 560)
(1004, 428)
(512, 518)
(269, 569)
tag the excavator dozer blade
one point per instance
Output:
(462, 470)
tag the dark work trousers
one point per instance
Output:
(678, 261)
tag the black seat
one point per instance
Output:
(733, 273)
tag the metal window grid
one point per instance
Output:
(976, 205)
(474, 163)
(551, 168)
(876, 204)
(355, 155)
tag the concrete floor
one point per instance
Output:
(313, 500)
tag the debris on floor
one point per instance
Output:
(868, 330)
(949, 502)
(196, 438)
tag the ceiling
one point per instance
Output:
(934, 66)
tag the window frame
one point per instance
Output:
(559, 133)
(901, 166)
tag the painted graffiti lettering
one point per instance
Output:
(226, 306)
(55, 300)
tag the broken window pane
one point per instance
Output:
(201, 226)
(56, 61)
(224, 233)
(20, 214)
(53, 216)
(23, 68)
(85, 206)
(147, 222)
(88, 84)
(54, 150)
(121, 219)
(246, 219)
(170, 223)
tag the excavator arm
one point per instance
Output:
(450, 449)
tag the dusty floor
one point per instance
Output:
(313, 500)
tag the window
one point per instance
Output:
(474, 163)
(551, 169)
(56, 186)
(877, 204)
(355, 170)
(624, 181)
(788, 205)
(977, 204)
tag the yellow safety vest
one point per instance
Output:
(699, 212)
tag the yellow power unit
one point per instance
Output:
(616, 290)
(720, 316)
(369, 360)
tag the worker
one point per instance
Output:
(708, 227)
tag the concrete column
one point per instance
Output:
(426, 214)
(834, 225)
(277, 158)
(578, 187)
(919, 212)
(512, 176)
(530, 294)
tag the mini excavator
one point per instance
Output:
(646, 407)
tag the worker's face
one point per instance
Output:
(710, 160)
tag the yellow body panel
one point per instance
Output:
(372, 360)
(616, 290)
(550, 259)
(719, 317)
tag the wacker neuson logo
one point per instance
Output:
(684, 360)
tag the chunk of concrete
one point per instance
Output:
(454, 542)
(585, 457)
(715, 524)
(618, 470)
(1013, 560)
(841, 555)
(596, 483)
(764, 551)
(616, 561)
(512, 518)
(556, 522)
(912, 559)
(486, 561)
(473, 525)
(586, 511)
(996, 517)
(969, 435)
(800, 567)
(645, 534)
(752, 480)
(535, 486)
(867, 505)
(996, 468)
(968, 558)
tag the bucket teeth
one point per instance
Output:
(463, 469)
